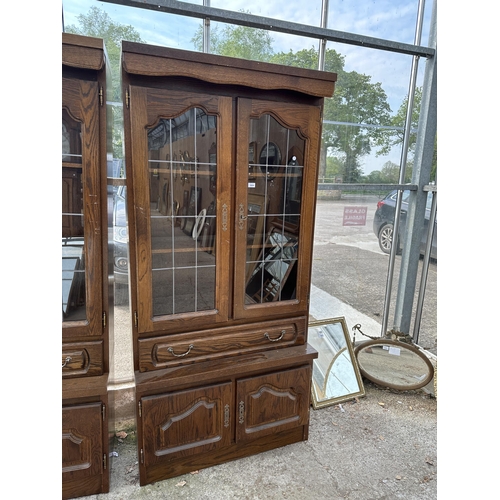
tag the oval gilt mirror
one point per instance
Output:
(394, 364)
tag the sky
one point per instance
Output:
(389, 19)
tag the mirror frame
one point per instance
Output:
(349, 348)
(401, 345)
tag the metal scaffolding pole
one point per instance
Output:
(206, 30)
(322, 42)
(425, 269)
(402, 171)
(424, 152)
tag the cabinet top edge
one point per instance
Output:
(80, 51)
(224, 70)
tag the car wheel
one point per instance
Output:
(385, 239)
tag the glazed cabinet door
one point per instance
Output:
(181, 156)
(272, 403)
(82, 450)
(183, 424)
(277, 162)
(82, 296)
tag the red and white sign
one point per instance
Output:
(355, 216)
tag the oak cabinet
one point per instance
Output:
(84, 268)
(222, 159)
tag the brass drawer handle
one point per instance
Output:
(66, 361)
(274, 340)
(171, 351)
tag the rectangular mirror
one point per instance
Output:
(336, 375)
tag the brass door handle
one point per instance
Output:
(242, 218)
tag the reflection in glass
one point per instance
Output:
(183, 290)
(182, 169)
(275, 172)
(394, 364)
(336, 376)
(272, 278)
(73, 254)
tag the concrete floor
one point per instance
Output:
(380, 446)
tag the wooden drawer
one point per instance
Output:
(82, 359)
(173, 350)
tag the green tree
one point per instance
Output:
(356, 100)
(308, 58)
(389, 173)
(99, 24)
(394, 137)
(334, 168)
(237, 41)
(374, 177)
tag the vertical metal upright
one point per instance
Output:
(322, 42)
(206, 30)
(321, 67)
(402, 171)
(424, 151)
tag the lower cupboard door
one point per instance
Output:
(82, 449)
(184, 423)
(272, 403)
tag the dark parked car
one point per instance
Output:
(383, 223)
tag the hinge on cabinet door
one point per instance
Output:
(136, 319)
(142, 456)
(101, 95)
(104, 319)
(103, 411)
(104, 459)
(140, 408)
(127, 98)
